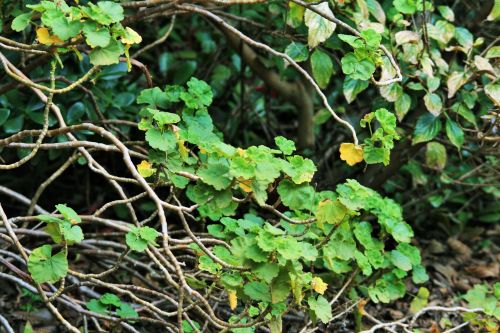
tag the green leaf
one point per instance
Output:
(322, 68)
(400, 260)
(216, 173)
(332, 212)
(72, 234)
(419, 274)
(285, 145)
(405, 6)
(44, 267)
(266, 271)
(428, 126)
(96, 36)
(420, 301)
(320, 29)
(433, 103)
(288, 247)
(138, 239)
(435, 155)
(240, 167)
(352, 87)
(148, 234)
(363, 263)
(199, 94)
(127, 311)
(454, 133)
(402, 106)
(110, 299)
(20, 22)
(296, 197)
(231, 280)
(495, 12)
(207, 264)
(494, 52)
(300, 169)
(4, 115)
(166, 118)
(447, 13)
(95, 305)
(372, 38)
(102, 56)
(105, 13)
(257, 291)
(297, 51)
(321, 308)
(64, 28)
(165, 141)
(354, 41)
(387, 120)
(464, 37)
(357, 69)
(155, 97)
(68, 213)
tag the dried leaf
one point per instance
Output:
(484, 271)
(460, 248)
(406, 36)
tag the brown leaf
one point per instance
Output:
(435, 328)
(483, 271)
(447, 271)
(463, 251)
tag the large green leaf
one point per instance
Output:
(322, 68)
(45, 267)
(428, 126)
(107, 55)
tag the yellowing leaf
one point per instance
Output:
(240, 152)
(320, 29)
(183, 150)
(351, 153)
(44, 37)
(245, 185)
(131, 37)
(145, 169)
(233, 299)
(318, 285)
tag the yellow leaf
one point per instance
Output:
(233, 299)
(131, 37)
(183, 150)
(245, 185)
(240, 152)
(318, 285)
(351, 153)
(145, 169)
(44, 37)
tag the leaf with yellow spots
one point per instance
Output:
(131, 37)
(245, 184)
(318, 285)
(44, 37)
(241, 152)
(145, 169)
(233, 299)
(351, 153)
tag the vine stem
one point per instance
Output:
(250, 41)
